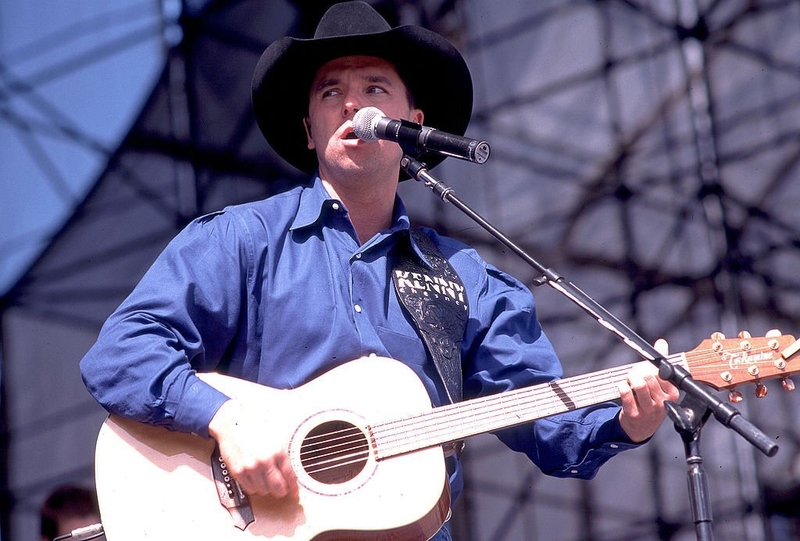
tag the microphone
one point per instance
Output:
(370, 124)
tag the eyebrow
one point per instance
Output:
(369, 78)
(378, 79)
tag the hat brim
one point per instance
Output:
(431, 67)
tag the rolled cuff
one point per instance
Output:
(197, 407)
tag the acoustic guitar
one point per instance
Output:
(366, 445)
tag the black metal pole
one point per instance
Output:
(689, 417)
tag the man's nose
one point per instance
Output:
(352, 103)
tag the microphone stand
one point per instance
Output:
(699, 402)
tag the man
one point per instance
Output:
(283, 290)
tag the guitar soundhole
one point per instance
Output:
(334, 452)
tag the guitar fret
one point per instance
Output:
(487, 414)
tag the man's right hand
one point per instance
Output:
(259, 466)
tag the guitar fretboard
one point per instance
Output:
(487, 414)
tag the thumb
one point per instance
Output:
(662, 346)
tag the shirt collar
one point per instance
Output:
(315, 201)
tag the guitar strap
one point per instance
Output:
(435, 299)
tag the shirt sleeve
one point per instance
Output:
(180, 318)
(506, 349)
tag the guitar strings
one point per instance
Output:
(430, 428)
(453, 422)
(352, 448)
(430, 422)
(456, 421)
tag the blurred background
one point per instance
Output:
(648, 151)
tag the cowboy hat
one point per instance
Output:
(431, 67)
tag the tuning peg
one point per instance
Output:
(717, 337)
(744, 335)
(761, 390)
(735, 396)
(773, 333)
(788, 384)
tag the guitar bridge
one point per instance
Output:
(231, 495)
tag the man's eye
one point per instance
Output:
(375, 90)
(330, 92)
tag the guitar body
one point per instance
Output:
(156, 484)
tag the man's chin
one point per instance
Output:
(349, 171)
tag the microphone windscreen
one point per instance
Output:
(364, 123)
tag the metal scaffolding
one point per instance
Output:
(648, 151)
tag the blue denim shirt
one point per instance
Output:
(280, 291)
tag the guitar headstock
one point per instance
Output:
(725, 363)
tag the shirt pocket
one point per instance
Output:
(403, 347)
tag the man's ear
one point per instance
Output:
(417, 116)
(310, 140)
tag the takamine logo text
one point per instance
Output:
(744, 358)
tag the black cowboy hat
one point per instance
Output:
(431, 67)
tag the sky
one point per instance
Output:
(73, 77)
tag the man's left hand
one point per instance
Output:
(643, 395)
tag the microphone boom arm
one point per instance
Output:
(677, 375)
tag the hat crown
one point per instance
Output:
(350, 18)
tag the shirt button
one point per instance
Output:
(357, 308)
(614, 446)
(358, 256)
(574, 472)
(335, 206)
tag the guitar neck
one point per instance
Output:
(487, 414)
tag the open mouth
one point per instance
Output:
(350, 135)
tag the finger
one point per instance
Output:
(250, 482)
(638, 384)
(647, 391)
(276, 482)
(657, 392)
(642, 377)
(669, 391)
(263, 480)
(662, 347)
(627, 399)
(289, 475)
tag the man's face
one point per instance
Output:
(342, 87)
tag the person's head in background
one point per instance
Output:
(67, 508)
